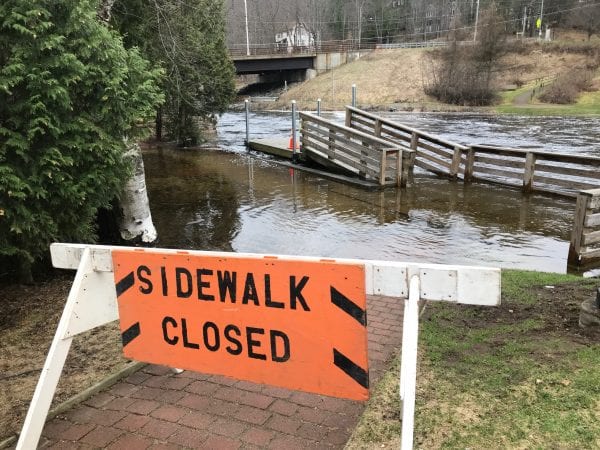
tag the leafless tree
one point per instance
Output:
(586, 17)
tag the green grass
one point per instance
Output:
(512, 376)
(588, 103)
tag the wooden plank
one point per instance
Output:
(589, 238)
(436, 150)
(500, 162)
(360, 128)
(343, 144)
(339, 153)
(594, 202)
(592, 220)
(569, 184)
(578, 172)
(351, 164)
(559, 192)
(541, 155)
(277, 147)
(382, 168)
(430, 168)
(429, 137)
(364, 123)
(328, 124)
(435, 160)
(589, 255)
(498, 172)
(392, 135)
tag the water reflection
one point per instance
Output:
(193, 208)
(234, 201)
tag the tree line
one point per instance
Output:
(388, 21)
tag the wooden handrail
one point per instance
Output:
(547, 156)
(408, 129)
(534, 168)
(354, 151)
(334, 126)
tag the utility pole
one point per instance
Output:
(247, 37)
(476, 20)
(541, 18)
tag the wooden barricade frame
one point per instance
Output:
(92, 302)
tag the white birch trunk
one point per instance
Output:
(136, 220)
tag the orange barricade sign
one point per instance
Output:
(295, 324)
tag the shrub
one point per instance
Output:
(463, 74)
(565, 89)
(69, 94)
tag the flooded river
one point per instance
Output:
(233, 200)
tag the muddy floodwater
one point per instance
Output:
(233, 200)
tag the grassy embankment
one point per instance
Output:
(521, 375)
(588, 103)
(394, 79)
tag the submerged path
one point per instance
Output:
(157, 409)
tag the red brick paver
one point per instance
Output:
(155, 408)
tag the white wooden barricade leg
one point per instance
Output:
(408, 362)
(92, 302)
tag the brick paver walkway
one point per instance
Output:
(157, 409)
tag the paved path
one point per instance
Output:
(157, 409)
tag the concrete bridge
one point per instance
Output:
(296, 64)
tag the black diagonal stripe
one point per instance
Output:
(125, 284)
(130, 333)
(360, 375)
(348, 306)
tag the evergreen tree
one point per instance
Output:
(187, 38)
(69, 95)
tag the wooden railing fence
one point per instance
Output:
(534, 171)
(432, 153)
(531, 170)
(585, 237)
(356, 152)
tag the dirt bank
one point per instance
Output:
(28, 319)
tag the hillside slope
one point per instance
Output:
(394, 79)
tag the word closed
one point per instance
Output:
(290, 323)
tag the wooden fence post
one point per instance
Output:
(331, 146)
(407, 159)
(529, 172)
(454, 166)
(583, 200)
(377, 128)
(414, 144)
(470, 165)
(382, 167)
(348, 122)
(399, 168)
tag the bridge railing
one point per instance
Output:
(361, 154)
(276, 49)
(431, 152)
